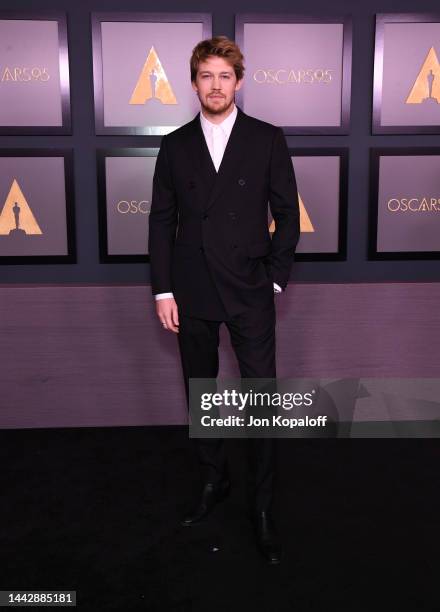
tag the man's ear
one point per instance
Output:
(194, 86)
(238, 84)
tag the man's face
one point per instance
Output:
(216, 85)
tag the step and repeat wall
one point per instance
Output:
(299, 75)
(87, 92)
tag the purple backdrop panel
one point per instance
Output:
(408, 216)
(146, 78)
(411, 74)
(32, 206)
(129, 183)
(83, 356)
(30, 89)
(293, 73)
(318, 189)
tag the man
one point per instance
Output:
(212, 259)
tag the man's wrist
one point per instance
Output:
(162, 296)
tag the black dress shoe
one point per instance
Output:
(267, 541)
(212, 494)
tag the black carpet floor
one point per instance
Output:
(97, 511)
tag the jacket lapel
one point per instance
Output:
(205, 173)
(213, 183)
(232, 158)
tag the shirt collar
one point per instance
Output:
(225, 125)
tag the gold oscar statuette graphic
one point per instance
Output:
(16, 217)
(153, 83)
(426, 87)
(304, 219)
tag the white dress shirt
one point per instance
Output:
(216, 136)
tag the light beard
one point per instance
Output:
(220, 110)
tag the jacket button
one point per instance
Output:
(205, 217)
(202, 250)
(241, 182)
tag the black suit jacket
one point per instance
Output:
(209, 239)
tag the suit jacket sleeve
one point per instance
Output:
(284, 206)
(162, 224)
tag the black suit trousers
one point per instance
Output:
(252, 334)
